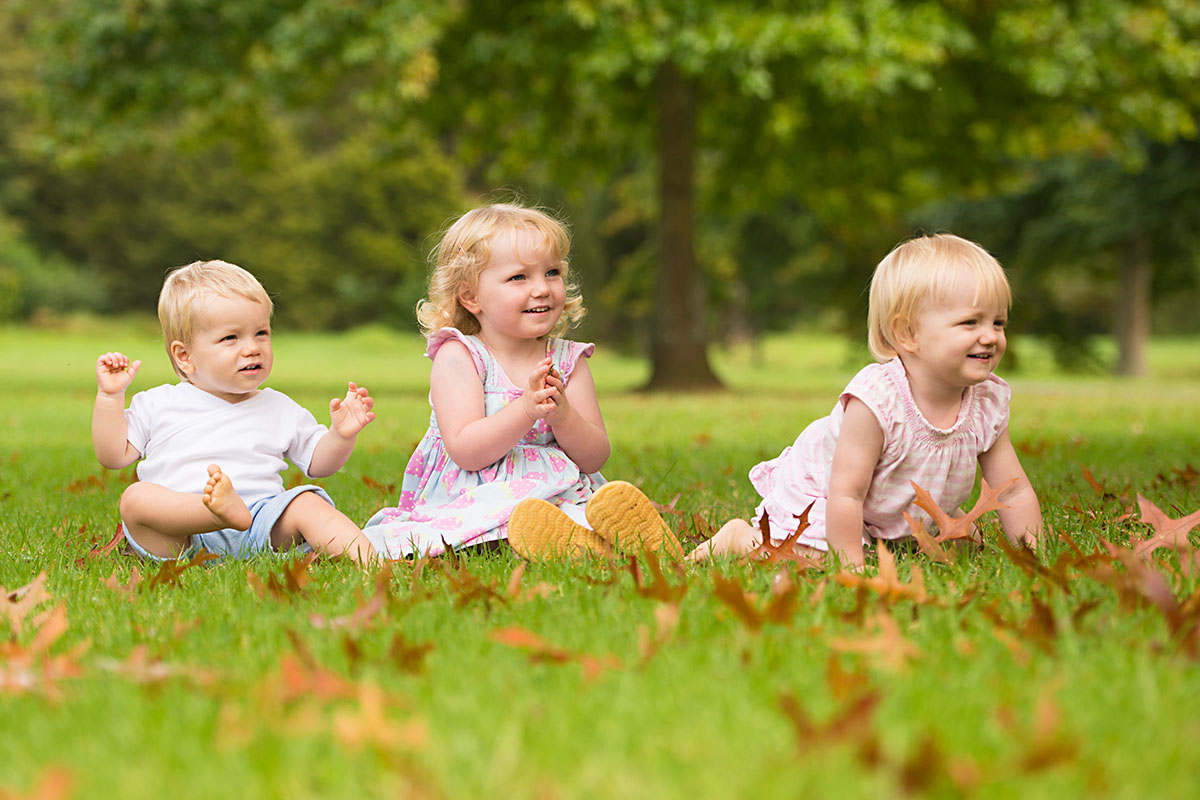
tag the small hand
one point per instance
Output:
(538, 400)
(114, 373)
(561, 407)
(350, 415)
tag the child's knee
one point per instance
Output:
(131, 500)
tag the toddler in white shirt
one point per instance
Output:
(212, 447)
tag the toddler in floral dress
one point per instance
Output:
(514, 411)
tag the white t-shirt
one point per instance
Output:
(180, 430)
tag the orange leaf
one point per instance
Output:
(541, 650)
(770, 553)
(960, 527)
(658, 588)
(886, 643)
(779, 609)
(1171, 533)
(18, 603)
(887, 583)
(55, 783)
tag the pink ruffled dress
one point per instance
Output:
(943, 461)
(441, 504)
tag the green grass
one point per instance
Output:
(205, 689)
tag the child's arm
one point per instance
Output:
(859, 445)
(114, 374)
(472, 439)
(576, 420)
(347, 417)
(1022, 520)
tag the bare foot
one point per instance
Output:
(223, 502)
(736, 537)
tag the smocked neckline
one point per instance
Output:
(899, 376)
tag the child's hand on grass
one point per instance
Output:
(352, 413)
(115, 372)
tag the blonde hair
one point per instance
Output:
(184, 288)
(464, 252)
(923, 269)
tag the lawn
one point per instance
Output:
(481, 676)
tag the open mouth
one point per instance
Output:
(251, 368)
(538, 310)
(981, 356)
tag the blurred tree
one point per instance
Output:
(1093, 241)
(854, 109)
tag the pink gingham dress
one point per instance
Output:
(441, 503)
(942, 461)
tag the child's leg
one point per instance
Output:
(161, 520)
(736, 538)
(330, 532)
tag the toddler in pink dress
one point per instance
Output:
(928, 413)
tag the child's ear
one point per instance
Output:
(466, 299)
(904, 334)
(182, 358)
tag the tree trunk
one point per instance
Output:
(1133, 307)
(678, 350)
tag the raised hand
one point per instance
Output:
(351, 414)
(539, 398)
(114, 373)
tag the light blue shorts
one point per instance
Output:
(241, 544)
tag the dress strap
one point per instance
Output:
(479, 353)
(566, 354)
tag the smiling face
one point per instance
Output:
(955, 342)
(520, 293)
(229, 354)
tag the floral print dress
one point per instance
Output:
(442, 505)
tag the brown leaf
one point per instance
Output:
(779, 609)
(960, 527)
(19, 603)
(125, 590)
(114, 541)
(295, 577)
(385, 490)
(141, 668)
(1027, 561)
(887, 583)
(299, 679)
(407, 656)
(368, 609)
(368, 724)
(885, 643)
(666, 619)
(658, 588)
(169, 572)
(770, 553)
(927, 543)
(54, 783)
(851, 722)
(81, 485)
(542, 651)
(1169, 533)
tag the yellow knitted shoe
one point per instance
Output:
(538, 530)
(626, 518)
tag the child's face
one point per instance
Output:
(520, 293)
(958, 341)
(229, 354)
